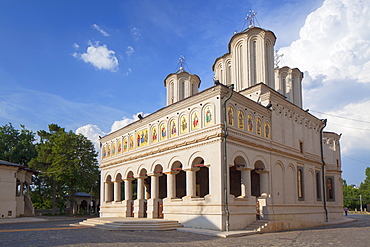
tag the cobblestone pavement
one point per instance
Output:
(57, 232)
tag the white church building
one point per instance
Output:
(222, 158)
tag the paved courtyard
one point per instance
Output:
(56, 231)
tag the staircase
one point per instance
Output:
(121, 223)
(259, 226)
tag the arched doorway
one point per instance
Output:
(180, 180)
(201, 178)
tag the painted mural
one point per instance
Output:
(113, 148)
(119, 147)
(142, 138)
(108, 151)
(259, 126)
(195, 120)
(250, 123)
(154, 134)
(173, 130)
(230, 116)
(131, 142)
(183, 124)
(208, 115)
(267, 130)
(125, 145)
(163, 132)
(241, 119)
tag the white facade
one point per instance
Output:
(14, 186)
(214, 162)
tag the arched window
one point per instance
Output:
(300, 183)
(18, 191)
(109, 190)
(180, 180)
(182, 90)
(202, 178)
(235, 181)
(330, 188)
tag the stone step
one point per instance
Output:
(257, 226)
(131, 224)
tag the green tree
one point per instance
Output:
(364, 189)
(17, 146)
(68, 164)
(350, 196)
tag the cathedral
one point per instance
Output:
(240, 151)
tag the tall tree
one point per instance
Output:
(364, 189)
(68, 161)
(17, 146)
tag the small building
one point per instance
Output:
(15, 200)
(84, 203)
(225, 157)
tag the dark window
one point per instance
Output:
(330, 188)
(301, 146)
(235, 181)
(318, 186)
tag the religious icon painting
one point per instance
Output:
(250, 123)
(131, 142)
(240, 119)
(267, 130)
(173, 129)
(163, 135)
(104, 152)
(125, 145)
(259, 126)
(208, 115)
(230, 116)
(142, 138)
(154, 134)
(195, 120)
(113, 148)
(108, 151)
(183, 124)
(119, 147)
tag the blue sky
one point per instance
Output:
(91, 66)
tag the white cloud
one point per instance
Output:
(99, 56)
(76, 46)
(93, 133)
(126, 121)
(334, 52)
(130, 50)
(104, 33)
(335, 42)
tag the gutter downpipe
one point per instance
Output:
(226, 205)
(323, 169)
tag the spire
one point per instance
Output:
(181, 63)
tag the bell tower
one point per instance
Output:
(181, 84)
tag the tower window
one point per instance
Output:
(301, 147)
(300, 183)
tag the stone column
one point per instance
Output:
(117, 191)
(152, 203)
(246, 182)
(154, 186)
(140, 188)
(264, 182)
(190, 183)
(171, 189)
(128, 189)
(106, 192)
